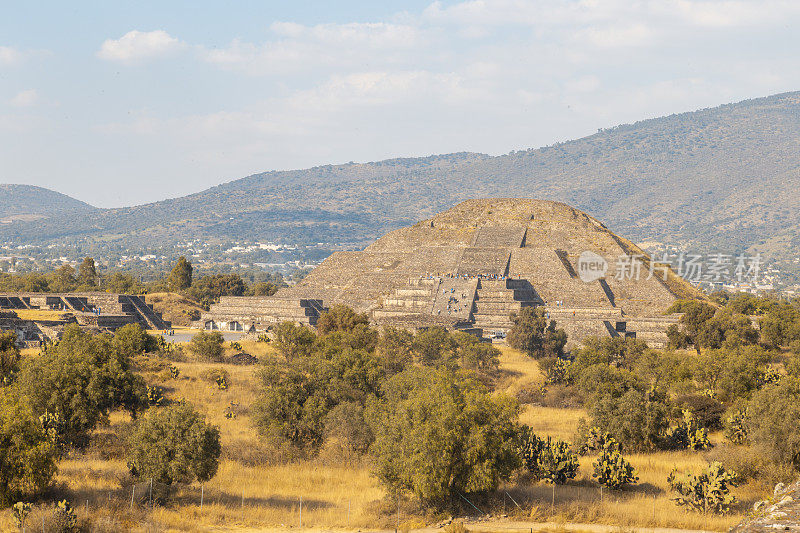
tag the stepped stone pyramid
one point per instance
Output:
(471, 267)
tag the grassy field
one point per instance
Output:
(255, 489)
(38, 314)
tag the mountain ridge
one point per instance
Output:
(726, 175)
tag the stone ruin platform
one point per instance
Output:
(471, 267)
(92, 310)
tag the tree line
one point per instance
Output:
(206, 289)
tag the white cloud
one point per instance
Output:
(138, 45)
(298, 48)
(25, 98)
(10, 56)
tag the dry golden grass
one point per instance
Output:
(646, 504)
(272, 490)
(551, 422)
(38, 314)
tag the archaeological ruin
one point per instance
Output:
(39, 317)
(475, 264)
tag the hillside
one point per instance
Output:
(24, 203)
(726, 175)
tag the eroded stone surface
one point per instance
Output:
(780, 513)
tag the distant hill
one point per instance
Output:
(26, 202)
(726, 177)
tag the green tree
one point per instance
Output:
(340, 318)
(433, 346)
(87, 273)
(132, 339)
(174, 445)
(208, 344)
(439, 434)
(638, 420)
(180, 278)
(122, 284)
(771, 422)
(394, 349)
(27, 456)
(297, 395)
(731, 373)
(62, 279)
(532, 334)
(677, 338)
(208, 289)
(262, 288)
(9, 357)
(293, 340)
(79, 381)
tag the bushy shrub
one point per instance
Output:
(340, 318)
(208, 344)
(293, 340)
(9, 357)
(638, 420)
(131, 340)
(80, 380)
(216, 376)
(531, 333)
(439, 434)
(27, 456)
(347, 432)
(611, 469)
(174, 445)
(708, 491)
(707, 411)
(771, 422)
(298, 394)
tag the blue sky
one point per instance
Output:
(121, 103)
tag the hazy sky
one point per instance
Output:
(118, 103)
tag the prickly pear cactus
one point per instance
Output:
(708, 491)
(557, 462)
(611, 469)
(155, 395)
(689, 434)
(736, 428)
(20, 511)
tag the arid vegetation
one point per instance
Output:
(360, 423)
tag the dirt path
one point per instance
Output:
(492, 526)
